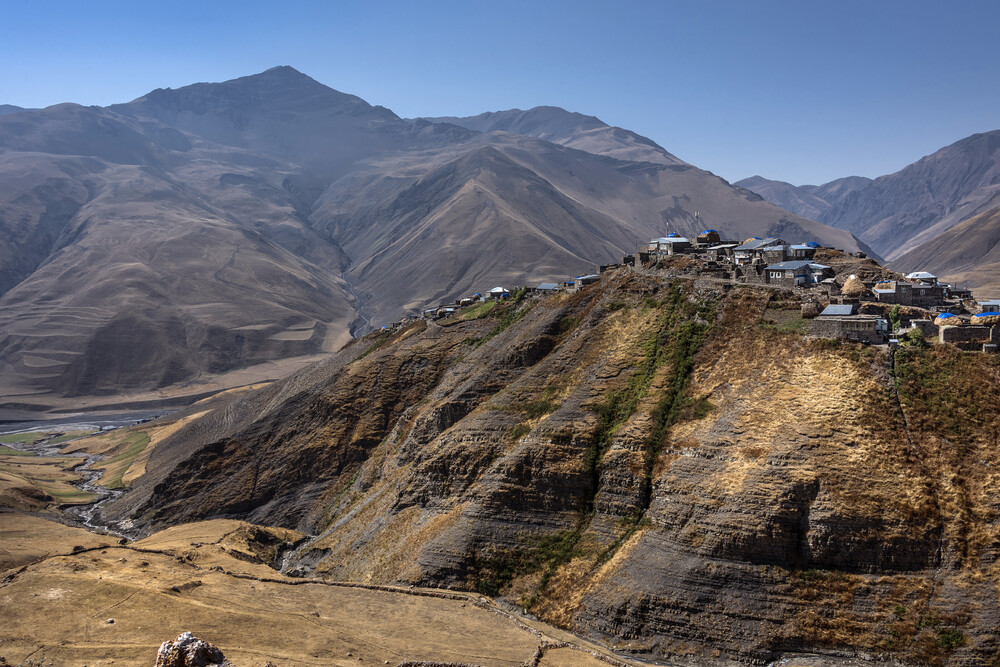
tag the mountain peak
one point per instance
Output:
(570, 129)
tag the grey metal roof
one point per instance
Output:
(789, 266)
(759, 243)
(838, 309)
(547, 286)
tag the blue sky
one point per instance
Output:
(800, 91)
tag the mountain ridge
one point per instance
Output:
(567, 128)
(337, 210)
(898, 212)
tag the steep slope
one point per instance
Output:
(810, 201)
(789, 197)
(575, 130)
(151, 261)
(623, 463)
(506, 209)
(836, 190)
(899, 212)
(967, 254)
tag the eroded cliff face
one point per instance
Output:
(645, 461)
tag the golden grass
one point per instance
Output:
(25, 538)
(49, 474)
(157, 434)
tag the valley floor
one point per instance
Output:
(71, 597)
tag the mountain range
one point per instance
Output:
(226, 232)
(906, 216)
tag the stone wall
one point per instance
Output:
(860, 330)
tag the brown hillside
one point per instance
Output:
(968, 254)
(646, 460)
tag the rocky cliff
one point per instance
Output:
(653, 462)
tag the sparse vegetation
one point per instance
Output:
(10, 451)
(495, 572)
(114, 468)
(508, 313)
(519, 431)
(22, 438)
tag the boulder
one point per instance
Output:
(189, 651)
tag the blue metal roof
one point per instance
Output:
(709, 231)
(987, 314)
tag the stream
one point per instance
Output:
(87, 515)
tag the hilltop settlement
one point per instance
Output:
(845, 295)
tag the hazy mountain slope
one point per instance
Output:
(504, 209)
(968, 254)
(153, 261)
(157, 289)
(836, 190)
(614, 459)
(9, 108)
(787, 196)
(809, 201)
(899, 212)
(286, 115)
(567, 128)
(219, 223)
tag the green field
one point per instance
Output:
(10, 451)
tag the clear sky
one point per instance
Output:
(802, 91)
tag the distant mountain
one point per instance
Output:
(835, 191)
(790, 197)
(968, 254)
(567, 128)
(809, 201)
(898, 212)
(9, 108)
(208, 232)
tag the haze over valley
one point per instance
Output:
(220, 234)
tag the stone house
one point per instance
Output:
(796, 273)
(971, 337)
(752, 249)
(920, 295)
(669, 245)
(839, 321)
(802, 250)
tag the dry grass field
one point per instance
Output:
(114, 604)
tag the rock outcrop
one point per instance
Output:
(189, 651)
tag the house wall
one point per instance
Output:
(969, 337)
(927, 327)
(860, 330)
